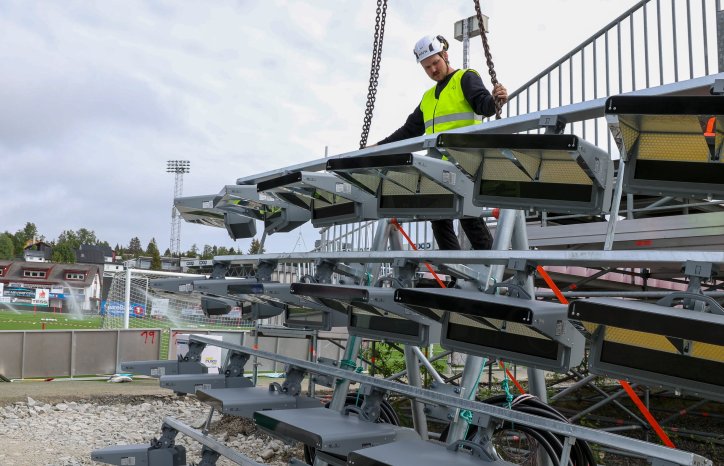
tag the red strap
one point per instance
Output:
(510, 376)
(710, 127)
(414, 248)
(647, 414)
(631, 393)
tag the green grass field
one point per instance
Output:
(29, 320)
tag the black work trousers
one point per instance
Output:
(475, 229)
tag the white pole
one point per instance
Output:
(127, 310)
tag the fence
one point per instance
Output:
(655, 42)
(69, 353)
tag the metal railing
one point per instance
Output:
(653, 43)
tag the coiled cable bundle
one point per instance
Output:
(581, 453)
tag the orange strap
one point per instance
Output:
(510, 376)
(414, 248)
(626, 386)
(710, 127)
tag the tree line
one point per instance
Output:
(12, 246)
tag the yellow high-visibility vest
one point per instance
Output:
(450, 110)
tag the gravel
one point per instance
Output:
(64, 433)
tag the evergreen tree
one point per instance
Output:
(63, 253)
(134, 247)
(68, 238)
(7, 248)
(86, 236)
(167, 252)
(152, 247)
(207, 252)
(256, 247)
(193, 252)
(21, 237)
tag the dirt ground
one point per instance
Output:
(70, 390)
(706, 419)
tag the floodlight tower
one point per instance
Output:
(177, 167)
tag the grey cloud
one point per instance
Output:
(42, 110)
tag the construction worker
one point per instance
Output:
(451, 103)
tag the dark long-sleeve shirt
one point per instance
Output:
(474, 91)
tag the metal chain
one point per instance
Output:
(374, 69)
(488, 57)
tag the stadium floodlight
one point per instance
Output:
(410, 185)
(278, 215)
(201, 210)
(535, 334)
(373, 313)
(672, 145)
(300, 313)
(552, 172)
(216, 298)
(657, 345)
(330, 199)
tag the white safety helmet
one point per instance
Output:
(429, 46)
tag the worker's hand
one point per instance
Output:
(500, 93)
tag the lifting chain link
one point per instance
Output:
(374, 69)
(488, 56)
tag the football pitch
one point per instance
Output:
(30, 320)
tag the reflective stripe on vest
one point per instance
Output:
(451, 110)
(451, 118)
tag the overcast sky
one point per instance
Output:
(96, 96)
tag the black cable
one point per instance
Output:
(580, 454)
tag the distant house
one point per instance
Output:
(60, 287)
(91, 254)
(168, 264)
(101, 255)
(37, 251)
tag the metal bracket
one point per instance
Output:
(235, 366)
(553, 124)
(194, 352)
(264, 270)
(220, 269)
(167, 438)
(443, 413)
(405, 271)
(372, 405)
(717, 88)
(293, 383)
(325, 380)
(324, 270)
(473, 448)
(208, 457)
(705, 270)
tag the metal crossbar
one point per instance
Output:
(213, 444)
(580, 258)
(567, 430)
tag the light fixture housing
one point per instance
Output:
(410, 185)
(278, 215)
(657, 345)
(202, 210)
(535, 334)
(672, 145)
(550, 172)
(373, 313)
(330, 199)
